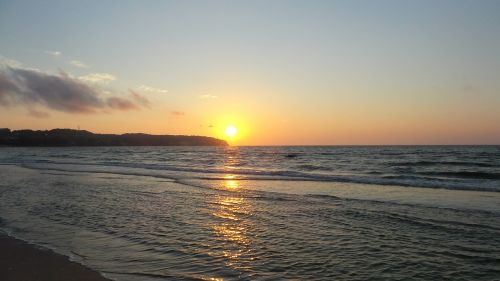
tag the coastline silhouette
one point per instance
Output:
(70, 137)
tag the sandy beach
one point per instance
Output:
(20, 261)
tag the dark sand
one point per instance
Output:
(20, 261)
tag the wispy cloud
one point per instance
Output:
(121, 103)
(208, 96)
(177, 113)
(21, 86)
(138, 98)
(53, 53)
(97, 78)
(33, 112)
(6, 62)
(78, 63)
(145, 88)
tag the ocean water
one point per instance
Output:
(260, 213)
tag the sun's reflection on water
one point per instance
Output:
(231, 184)
(231, 224)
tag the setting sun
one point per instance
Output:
(231, 131)
(243, 139)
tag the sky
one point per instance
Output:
(282, 72)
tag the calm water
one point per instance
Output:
(260, 213)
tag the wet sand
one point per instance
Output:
(20, 261)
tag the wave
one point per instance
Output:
(464, 212)
(466, 174)
(447, 163)
(177, 173)
(309, 167)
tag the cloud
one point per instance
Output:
(60, 92)
(121, 103)
(139, 99)
(37, 113)
(78, 63)
(4, 62)
(208, 97)
(469, 88)
(151, 89)
(97, 78)
(178, 113)
(53, 53)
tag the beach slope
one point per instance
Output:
(20, 261)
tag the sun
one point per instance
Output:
(231, 131)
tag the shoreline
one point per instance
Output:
(20, 261)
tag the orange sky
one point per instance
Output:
(283, 73)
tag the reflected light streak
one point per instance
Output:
(231, 184)
(231, 226)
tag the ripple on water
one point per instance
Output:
(142, 228)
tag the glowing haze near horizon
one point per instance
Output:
(281, 72)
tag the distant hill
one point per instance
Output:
(69, 137)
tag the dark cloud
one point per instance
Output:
(121, 103)
(28, 87)
(6, 86)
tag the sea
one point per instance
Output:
(260, 213)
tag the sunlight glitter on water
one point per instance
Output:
(231, 228)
